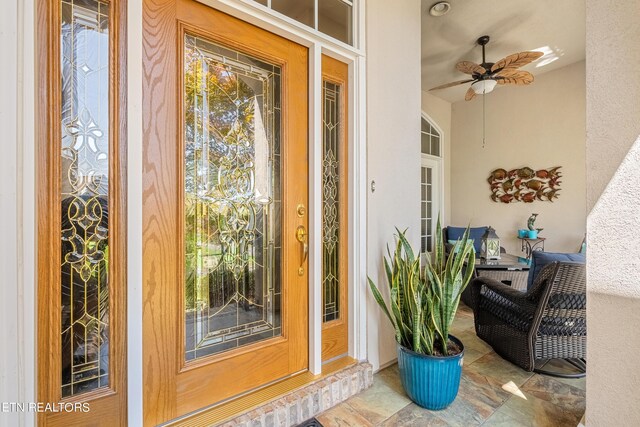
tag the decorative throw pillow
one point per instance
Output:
(475, 233)
(539, 259)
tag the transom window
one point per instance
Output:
(331, 17)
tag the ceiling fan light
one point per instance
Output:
(483, 86)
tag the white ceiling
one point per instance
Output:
(513, 25)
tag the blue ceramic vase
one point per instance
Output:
(430, 381)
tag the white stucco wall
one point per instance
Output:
(540, 126)
(440, 111)
(613, 261)
(393, 146)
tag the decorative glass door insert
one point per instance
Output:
(231, 199)
(84, 186)
(331, 159)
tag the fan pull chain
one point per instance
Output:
(484, 117)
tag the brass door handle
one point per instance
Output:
(301, 235)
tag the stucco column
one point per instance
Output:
(393, 148)
(613, 224)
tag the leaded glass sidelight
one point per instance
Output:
(84, 186)
(231, 199)
(331, 134)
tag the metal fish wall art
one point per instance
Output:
(525, 185)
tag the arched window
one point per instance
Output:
(431, 138)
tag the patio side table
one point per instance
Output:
(530, 245)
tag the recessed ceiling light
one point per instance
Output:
(440, 8)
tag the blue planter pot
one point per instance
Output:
(430, 381)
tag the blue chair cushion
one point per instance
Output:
(539, 259)
(475, 233)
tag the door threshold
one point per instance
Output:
(296, 398)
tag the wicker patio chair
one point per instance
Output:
(546, 322)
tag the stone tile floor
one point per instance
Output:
(493, 392)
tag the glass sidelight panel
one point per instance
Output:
(331, 144)
(232, 203)
(84, 186)
(427, 220)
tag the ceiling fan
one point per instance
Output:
(488, 74)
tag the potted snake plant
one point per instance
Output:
(423, 304)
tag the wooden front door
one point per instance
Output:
(225, 185)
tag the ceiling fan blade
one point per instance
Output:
(459, 82)
(469, 67)
(516, 60)
(470, 94)
(515, 78)
(507, 72)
